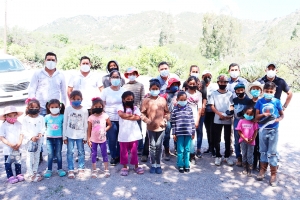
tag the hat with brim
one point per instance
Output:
(171, 81)
(9, 109)
(206, 72)
(131, 70)
(254, 84)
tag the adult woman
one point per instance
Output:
(111, 97)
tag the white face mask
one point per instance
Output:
(50, 65)
(195, 74)
(234, 74)
(164, 73)
(85, 68)
(54, 111)
(132, 78)
(271, 73)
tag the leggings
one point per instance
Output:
(103, 151)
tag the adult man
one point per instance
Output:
(48, 83)
(86, 82)
(234, 72)
(280, 83)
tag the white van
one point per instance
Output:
(14, 79)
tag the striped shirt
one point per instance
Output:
(182, 121)
(138, 91)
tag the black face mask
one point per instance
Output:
(207, 79)
(193, 87)
(33, 111)
(97, 110)
(240, 95)
(129, 103)
(222, 87)
(111, 69)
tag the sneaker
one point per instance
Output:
(199, 154)
(158, 170)
(228, 161)
(207, 151)
(48, 174)
(152, 170)
(144, 158)
(218, 161)
(112, 162)
(187, 170)
(181, 170)
(140, 152)
(61, 173)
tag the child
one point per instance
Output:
(54, 127)
(130, 133)
(12, 137)
(75, 131)
(155, 114)
(268, 137)
(240, 102)
(247, 130)
(33, 128)
(183, 130)
(98, 125)
(221, 101)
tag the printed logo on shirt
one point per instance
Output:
(54, 127)
(76, 121)
(249, 126)
(268, 108)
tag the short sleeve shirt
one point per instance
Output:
(247, 128)
(54, 125)
(98, 133)
(11, 132)
(194, 102)
(280, 83)
(232, 84)
(240, 104)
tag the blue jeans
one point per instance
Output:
(8, 168)
(237, 147)
(113, 143)
(268, 140)
(54, 147)
(200, 132)
(141, 144)
(70, 153)
(183, 150)
(166, 142)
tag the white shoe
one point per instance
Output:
(228, 161)
(218, 161)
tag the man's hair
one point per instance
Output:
(162, 63)
(50, 54)
(233, 65)
(269, 85)
(85, 57)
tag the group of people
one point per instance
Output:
(111, 110)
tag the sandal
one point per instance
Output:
(12, 180)
(20, 177)
(139, 170)
(71, 174)
(106, 173)
(36, 178)
(124, 172)
(48, 174)
(81, 173)
(61, 173)
(94, 174)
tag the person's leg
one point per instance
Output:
(94, 153)
(124, 153)
(227, 136)
(272, 148)
(81, 153)
(117, 143)
(140, 143)
(256, 153)
(152, 148)
(70, 153)
(244, 147)
(58, 149)
(103, 148)
(146, 145)
(50, 146)
(263, 149)
(166, 141)
(36, 157)
(112, 139)
(186, 152)
(133, 152)
(200, 136)
(18, 168)
(237, 148)
(217, 131)
(180, 150)
(29, 162)
(8, 168)
(159, 140)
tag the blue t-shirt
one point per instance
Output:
(54, 125)
(272, 106)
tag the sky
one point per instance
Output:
(30, 14)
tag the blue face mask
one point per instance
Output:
(154, 93)
(182, 103)
(268, 96)
(248, 117)
(76, 103)
(174, 89)
(164, 73)
(255, 93)
(115, 82)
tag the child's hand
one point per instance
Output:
(90, 144)
(84, 141)
(222, 117)
(193, 136)
(197, 125)
(40, 135)
(34, 139)
(175, 138)
(266, 114)
(66, 141)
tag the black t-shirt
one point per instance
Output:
(240, 104)
(280, 83)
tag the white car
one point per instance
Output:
(14, 79)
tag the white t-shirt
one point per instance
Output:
(75, 123)
(113, 99)
(129, 130)
(31, 127)
(11, 132)
(194, 102)
(89, 87)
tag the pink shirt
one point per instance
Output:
(248, 128)
(98, 134)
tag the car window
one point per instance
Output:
(7, 65)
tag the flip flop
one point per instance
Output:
(20, 177)
(139, 170)
(106, 173)
(94, 174)
(71, 174)
(81, 173)
(36, 178)
(12, 180)
(124, 172)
